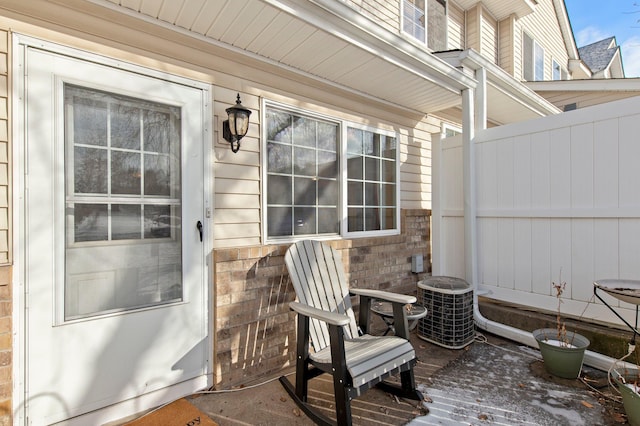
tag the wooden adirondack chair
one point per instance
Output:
(326, 320)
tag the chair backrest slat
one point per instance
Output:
(317, 273)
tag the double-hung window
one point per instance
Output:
(327, 177)
(532, 59)
(414, 19)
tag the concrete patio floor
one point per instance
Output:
(492, 381)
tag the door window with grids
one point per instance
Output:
(123, 202)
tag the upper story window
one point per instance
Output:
(414, 19)
(317, 186)
(558, 71)
(449, 130)
(532, 59)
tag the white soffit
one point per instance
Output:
(501, 9)
(322, 38)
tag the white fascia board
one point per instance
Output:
(593, 85)
(346, 23)
(566, 29)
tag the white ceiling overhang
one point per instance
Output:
(501, 9)
(324, 40)
(508, 100)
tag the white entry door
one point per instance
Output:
(114, 270)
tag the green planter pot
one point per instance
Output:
(565, 362)
(630, 398)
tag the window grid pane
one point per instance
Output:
(371, 195)
(126, 158)
(302, 175)
(414, 19)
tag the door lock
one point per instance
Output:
(199, 226)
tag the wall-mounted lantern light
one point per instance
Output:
(237, 125)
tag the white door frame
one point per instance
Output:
(19, 137)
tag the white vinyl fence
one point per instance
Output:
(559, 194)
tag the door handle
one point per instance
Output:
(199, 226)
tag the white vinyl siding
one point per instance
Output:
(566, 187)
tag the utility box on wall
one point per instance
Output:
(417, 263)
(449, 321)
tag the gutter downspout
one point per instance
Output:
(593, 359)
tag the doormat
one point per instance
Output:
(178, 413)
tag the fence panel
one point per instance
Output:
(555, 196)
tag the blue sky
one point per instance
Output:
(594, 20)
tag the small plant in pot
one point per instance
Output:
(628, 383)
(562, 351)
(627, 379)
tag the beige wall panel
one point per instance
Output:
(489, 37)
(506, 49)
(222, 216)
(473, 28)
(384, 12)
(237, 177)
(237, 171)
(543, 26)
(238, 242)
(236, 186)
(4, 196)
(584, 99)
(416, 169)
(237, 201)
(422, 187)
(246, 231)
(5, 169)
(455, 28)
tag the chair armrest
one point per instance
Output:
(384, 295)
(315, 313)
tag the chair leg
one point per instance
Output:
(409, 385)
(407, 389)
(340, 376)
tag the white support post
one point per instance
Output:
(469, 188)
(481, 99)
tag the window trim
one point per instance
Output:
(562, 70)
(449, 126)
(533, 57)
(343, 125)
(344, 228)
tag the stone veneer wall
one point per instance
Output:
(254, 328)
